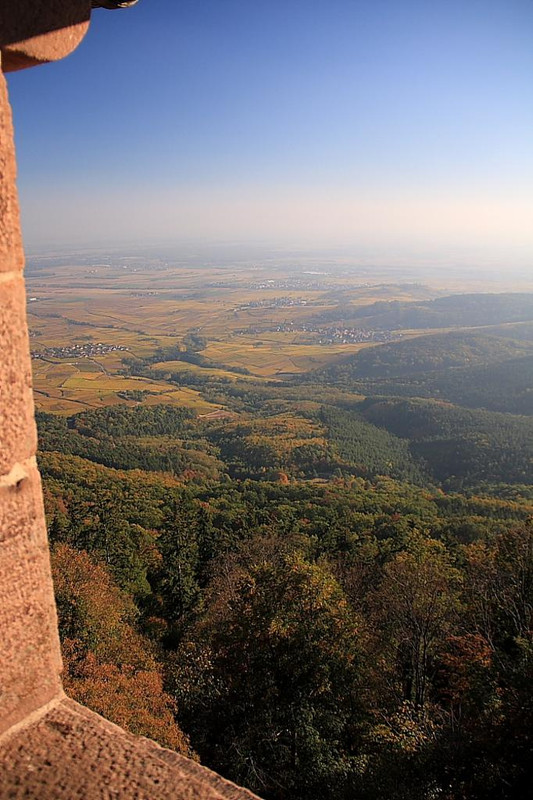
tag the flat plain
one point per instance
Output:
(90, 314)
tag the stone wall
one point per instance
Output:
(37, 31)
(29, 648)
(31, 32)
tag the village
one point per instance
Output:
(275, 302)
(89, 350)
(327, 334)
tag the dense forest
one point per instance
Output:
(460, 310)
(299, 596)
(474, 370)
(423, 441)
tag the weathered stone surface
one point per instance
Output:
(37, 31)
(29, 646)
(73, 754)
(29, 650)
(11, 257)
(17, 426)
(21, 506)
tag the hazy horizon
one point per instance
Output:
(400, 131)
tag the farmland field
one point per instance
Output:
(110, 329)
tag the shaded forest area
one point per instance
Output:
(459, 310)
(473, 370)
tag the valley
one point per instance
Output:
(290, 517)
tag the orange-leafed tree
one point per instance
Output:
(108, 665)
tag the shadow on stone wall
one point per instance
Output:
(37, 17)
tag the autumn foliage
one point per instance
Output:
(108, 665)
(314, 640)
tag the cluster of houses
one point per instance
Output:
(334, 334)
(88, 350)
(289, 283)
(274, 302)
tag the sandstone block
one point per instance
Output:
(72, 754)
(21, 506)
(17, 426)
(29, 646)
(36, 31)
(11, 256)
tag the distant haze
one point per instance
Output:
(385, 126)
(315, 217)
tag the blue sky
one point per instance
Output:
(402, 123)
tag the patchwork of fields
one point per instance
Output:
(120, 332)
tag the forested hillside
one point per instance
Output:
(430, 354)
(297, 594)
(425, 442)
(460, 310)
(313, 640)
(474, 370)
(459, 446)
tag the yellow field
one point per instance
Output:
(184, 366)
(58, 389)
(270, 358)
(147, 307)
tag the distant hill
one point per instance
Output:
(156, 438)
(430, 353)
(469, 369)
(458, 445)
(462, 310)
(520, 331)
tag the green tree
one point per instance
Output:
(416, 603)
(268, 681)
(177, 577)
